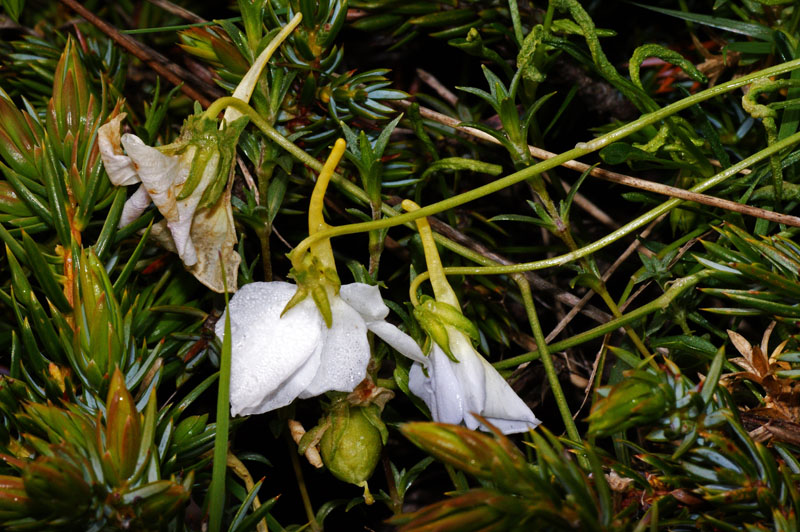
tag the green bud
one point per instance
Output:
(18, 138)
(73, 111)
(351, 447)
(639, 399)
(14, 502)
(57, 487)
(100, 343)
(123, 426)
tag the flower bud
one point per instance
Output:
(639, 399)
(56, 486)
(14, 502)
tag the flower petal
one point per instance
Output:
(345, 353)
(214, 239)
(397, 339)
(135, 206)
(274, 358)
(455, 390)
(164, 175)
(441, 390)
(470, 373)
(366, 300)
(504, 409)
(289, 390)
(119, 167)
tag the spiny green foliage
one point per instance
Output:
(108, 344)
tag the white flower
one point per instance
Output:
(454, 391)
(275, 359)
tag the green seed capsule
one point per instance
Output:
(351, 447)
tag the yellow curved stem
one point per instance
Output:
(441, 288)
(316, 221)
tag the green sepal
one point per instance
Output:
(372, 413)
(435, 316)
(312, 437)
(200, 163)
(435, 329)
(314, 279)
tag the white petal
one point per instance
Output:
(397, 339)
(455, 390)
(135, 206)
(120, 169)
(422, 385)
(289, 390)
(441, 390)
(273, 358)
(345, 353)
(469, 371)
(365, 299)
(504, 409)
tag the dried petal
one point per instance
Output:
(119, 167)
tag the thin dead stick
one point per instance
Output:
(248, 178)
(606, 276)
(580, 200)
(163, 66)
(443, 92)
(622, 179)
(177, 10)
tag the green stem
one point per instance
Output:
(547, 360)
(579, 151)
(611, 237)
(301, 485)
(602, 291)
(216, 493)
(660, 303)
(264, 176)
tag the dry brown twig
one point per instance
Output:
(177, 10)
(621, 179)
(163, 66)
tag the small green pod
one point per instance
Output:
(351, 447)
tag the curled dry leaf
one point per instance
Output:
(297, 432)
(200, 231)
